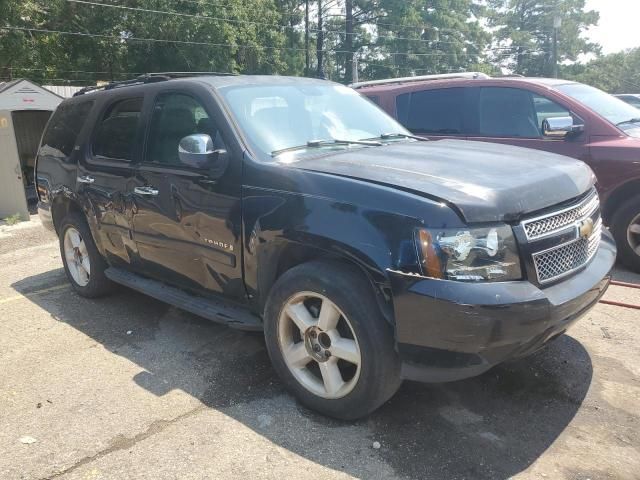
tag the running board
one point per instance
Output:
(217, 311)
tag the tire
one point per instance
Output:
(83, 264)
(356, 342)
(625, 227)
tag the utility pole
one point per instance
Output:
(306, 38)
(348, 42)
(354, 75)
(320, 43)
(557, 23)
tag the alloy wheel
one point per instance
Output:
(319, 345)
(77, 257)
(633, 234)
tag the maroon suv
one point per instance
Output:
(546, 114)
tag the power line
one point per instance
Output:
(53, 69)
(289, 27)
(126, 38)
(178, 14)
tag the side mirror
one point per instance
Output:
(559, 127)
(197, 151)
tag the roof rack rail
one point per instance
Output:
(420, 78)
(148, 78)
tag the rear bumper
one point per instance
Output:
(448, 330)
(44, 212)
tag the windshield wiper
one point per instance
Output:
(326, 143)
(387, 136)
(631, 120)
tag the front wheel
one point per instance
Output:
(329, 342)
(626, 230)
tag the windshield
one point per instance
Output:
(608, 106)
(278, 117)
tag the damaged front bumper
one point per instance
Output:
(448, 330)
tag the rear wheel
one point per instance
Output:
(626, 230)
(83, 263)
(329, 342)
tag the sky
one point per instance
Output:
(618, 26)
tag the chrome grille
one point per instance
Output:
(549, 224)
(562, 260)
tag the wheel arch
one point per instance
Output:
(618, 197)
(290, 254)
(61, 206)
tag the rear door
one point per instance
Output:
(106, 173)
(187, 223)
(514, 116)
(436, 113)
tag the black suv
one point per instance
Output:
(297, 207)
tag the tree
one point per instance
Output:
(418, 37)
(524, 33)
(103, 41)
(614, 73)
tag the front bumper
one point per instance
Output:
(447, 330)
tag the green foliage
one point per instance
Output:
(13, 219)
(524, 33)
(614, 73)
(418, 37)
(118, 39)
(234, 36)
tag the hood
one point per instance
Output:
(486, 182)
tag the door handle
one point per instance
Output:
(85, 179)
(206, 181)
(146, 191)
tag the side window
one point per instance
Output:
(116, 135)
(175, 116)
(546, 108)
(64, 127)
(374, 98)
(439, 112)
(507, 112)
(634, 101)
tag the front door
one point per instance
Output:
(514, 116)
(187, 221)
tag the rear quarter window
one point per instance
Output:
(64, 127)
(374, 98)
(437, 112)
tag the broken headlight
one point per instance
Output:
(469, 254)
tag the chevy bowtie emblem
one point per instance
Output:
(585, 228)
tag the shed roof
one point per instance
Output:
(23, 94)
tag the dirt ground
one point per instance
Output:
(128, 387)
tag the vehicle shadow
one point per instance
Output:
(493, 426)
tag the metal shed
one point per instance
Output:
(24, 110)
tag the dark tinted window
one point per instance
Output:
(432, 111)
(374, 98)
(176, 116)
(116, 134)
(507, 112)
(64, 127)
(631, 100)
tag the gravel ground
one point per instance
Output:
(128, 387)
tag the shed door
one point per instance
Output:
(12, 195)
(28, 126)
